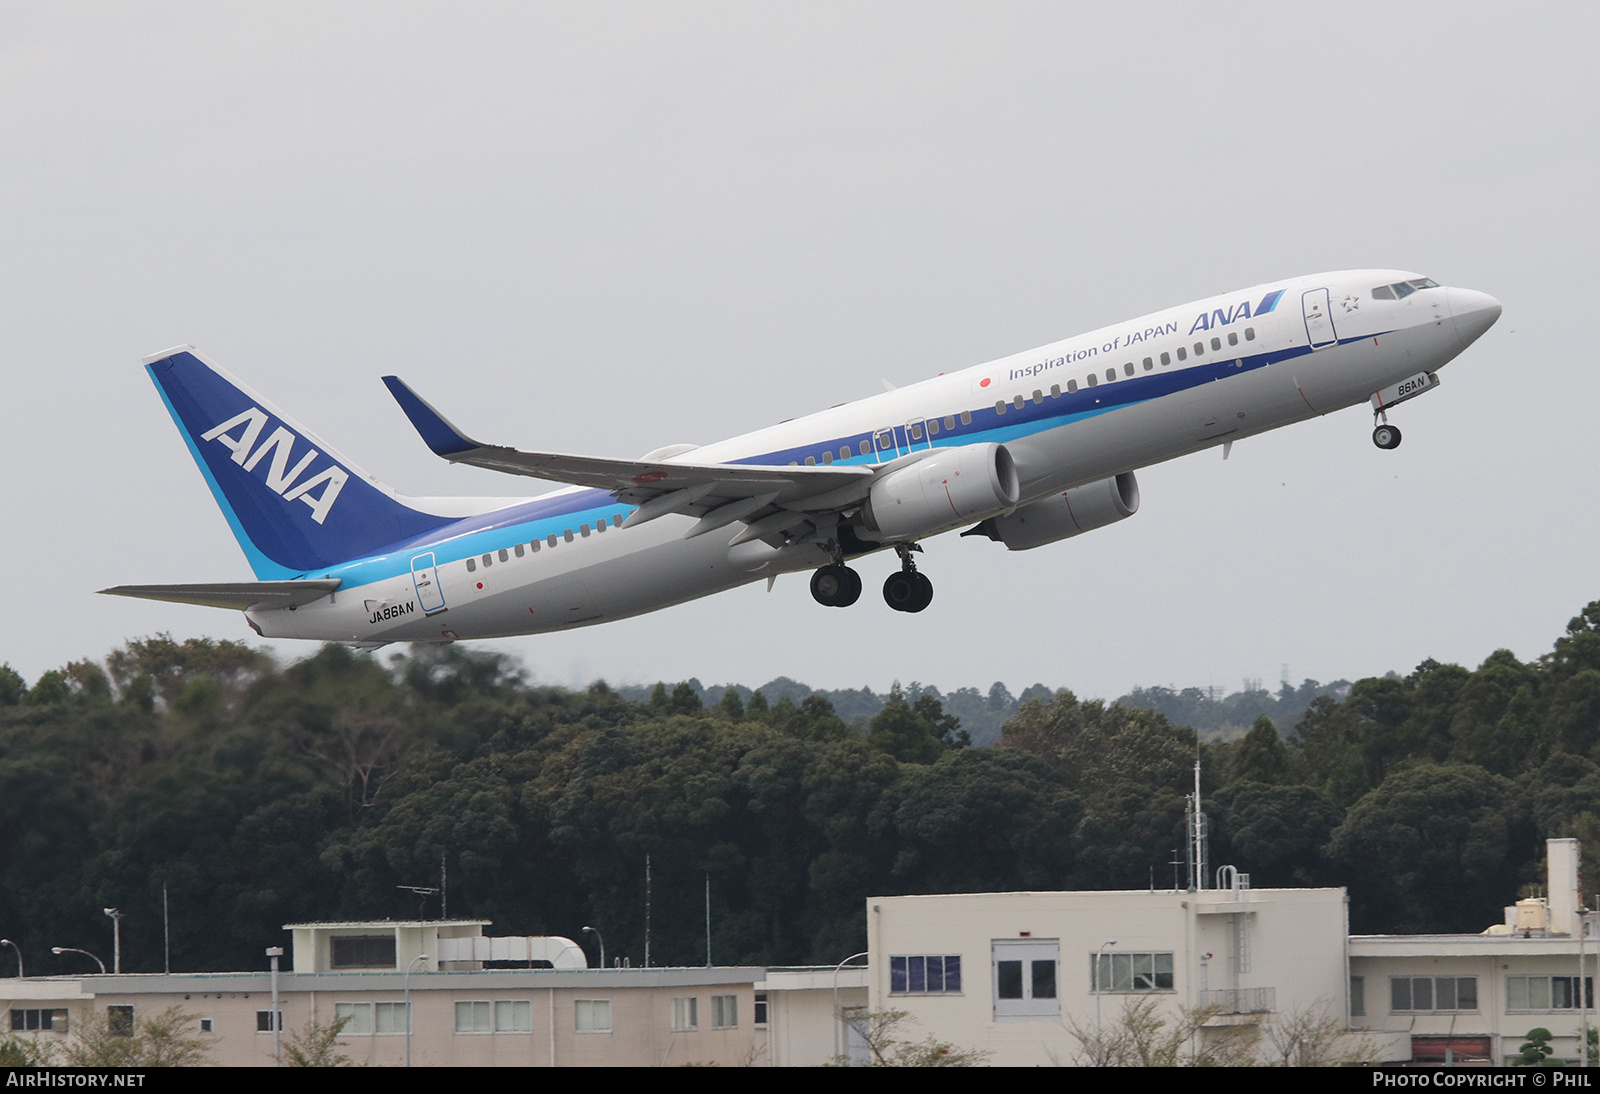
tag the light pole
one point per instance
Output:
(116, 939)
(1099, 985)
(273, 953)
(595, 931)
(7, 942)
(59, 950)
(414, 960)
(838, 1018)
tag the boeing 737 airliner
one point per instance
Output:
(1026, 450)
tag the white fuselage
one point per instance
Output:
(1070, 413)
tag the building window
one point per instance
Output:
(1541, 993)
(389, 1017)
(593, 1015)
(207, 1026)
(724, 1011)
(53, 1020)
(513, 1016)
(119, 1021)
(264, 1021)
(686, 1014)
(1130, 972)
(365, 951)
(472, 1018)
(1424, 993)
(925, 975)
(761, 1008)
(1358, 996)
(357, 1017)
(1025, 979)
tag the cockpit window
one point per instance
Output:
(1402, 289)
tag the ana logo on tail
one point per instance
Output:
(281, 478)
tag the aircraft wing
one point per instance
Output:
(238, 595)
(721, 492)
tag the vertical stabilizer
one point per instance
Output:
(295, 505)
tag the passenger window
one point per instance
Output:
(1127, 369)
(916, 431)
(616, 518)
(933, 427)
(1216, 343)
(472, 565)
(1149, 364)
(600, 525)
(949, 421)
(567, 535)
(811, 461)
(1038, 396)
(827, 455)
(504, 557)
(1199, 349)
(1000, 407)
(488, 560)
(1111, 374)
(1166, 358)
(866, 448)
(1233, 338)
(519, 550)
(1249, 334)
(1072, 385)
(1093, 379)
(1055, 391)
(1019, 400)
(551, 539)
(966, 417)
(534, 546)
(583, 529)
(844, 452)
(1183, 355)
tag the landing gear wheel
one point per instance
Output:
(908, 591)
(1386, 436)
(836, 586)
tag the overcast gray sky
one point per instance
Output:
(601, 228)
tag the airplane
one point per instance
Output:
(1025, 451)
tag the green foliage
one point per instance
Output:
(164, 1040)
(26, 1052)
(1535, 1051)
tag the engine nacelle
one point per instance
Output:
(945, 489)
(1081, 509)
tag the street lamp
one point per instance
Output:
(1099, 989)
(116, 939)
(414, 960)
(59, 950)
(596, 932)
(838, 1016)
(7, 942)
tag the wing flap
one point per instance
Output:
(237, 595)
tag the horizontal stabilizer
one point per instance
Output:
(633, 480)
(238, 595)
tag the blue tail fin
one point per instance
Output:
(295, 505)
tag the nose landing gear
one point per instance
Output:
(1386, 436)
(908, 590)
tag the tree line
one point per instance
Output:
(256, 794)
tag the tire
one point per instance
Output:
(901, 591)
(828, 586)
(1386, 437)
(924, 593)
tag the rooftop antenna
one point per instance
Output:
(423, 893)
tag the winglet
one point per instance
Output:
(445, 439)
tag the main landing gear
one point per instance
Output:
(838, 586)
(908, 590)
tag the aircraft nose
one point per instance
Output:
(1473, 312)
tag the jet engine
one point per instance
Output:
(946, 488)
(1081, 509)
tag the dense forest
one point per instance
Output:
(259, 795)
